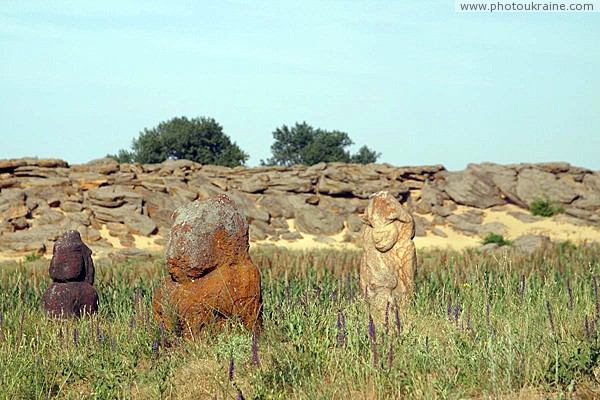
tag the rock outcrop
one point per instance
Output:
(71, 293)
(389, 260)
(212, 280)
(108, 202)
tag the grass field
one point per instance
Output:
(497, 326)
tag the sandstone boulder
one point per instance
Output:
(472, 189)
(534, 184)
(318, 221)
(531, 243)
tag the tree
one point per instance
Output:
(199, 139)
(303, 144)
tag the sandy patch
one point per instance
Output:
(551, 227)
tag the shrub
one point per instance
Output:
(496, 238)
(545, 208)
(198, 139)
(303, 144)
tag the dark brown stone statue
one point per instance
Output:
(72, 271)
(212, 280)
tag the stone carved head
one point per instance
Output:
(387, 222)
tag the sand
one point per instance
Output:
(552, 227)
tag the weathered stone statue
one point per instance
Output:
(72, 271)
(212, 280)
(388, 264)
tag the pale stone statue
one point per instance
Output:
(389, 260)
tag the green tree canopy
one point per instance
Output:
(199, 139)
(303, 144)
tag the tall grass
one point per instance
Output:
(480, 326)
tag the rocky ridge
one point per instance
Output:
(40, 199)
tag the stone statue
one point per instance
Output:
(388, 264)
(72, 271)
(212, 280)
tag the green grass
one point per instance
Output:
(497, 239)
(471, 331)
(545, 208)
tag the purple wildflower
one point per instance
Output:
(155, 346)
(255, 359)
(469, 318)
(570, 304)
(341, 337)
(240, 397)
(391, 356)
(373, 337)
(387, 316)
(457, 310)
(287, 292)
(131, 323)
(398, 324)
(231, 368)
(372, 333)
(587, 328)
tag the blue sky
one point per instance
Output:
(413, 79)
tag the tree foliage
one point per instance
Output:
(199, 139)
(303, 144)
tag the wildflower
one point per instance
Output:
(341, 337)
(391, 356)
(155, 346)
(466, 285)
(372, 334)
(231, 368)
(457, 310)
(387, 316)
(570, 304)
(398, 325)
(75, 336)
(587, 328)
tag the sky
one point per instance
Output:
(413, 80)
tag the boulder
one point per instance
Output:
(472, 189)
(531, 243)
(534, 184)
(212, 279)
(318, 221)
